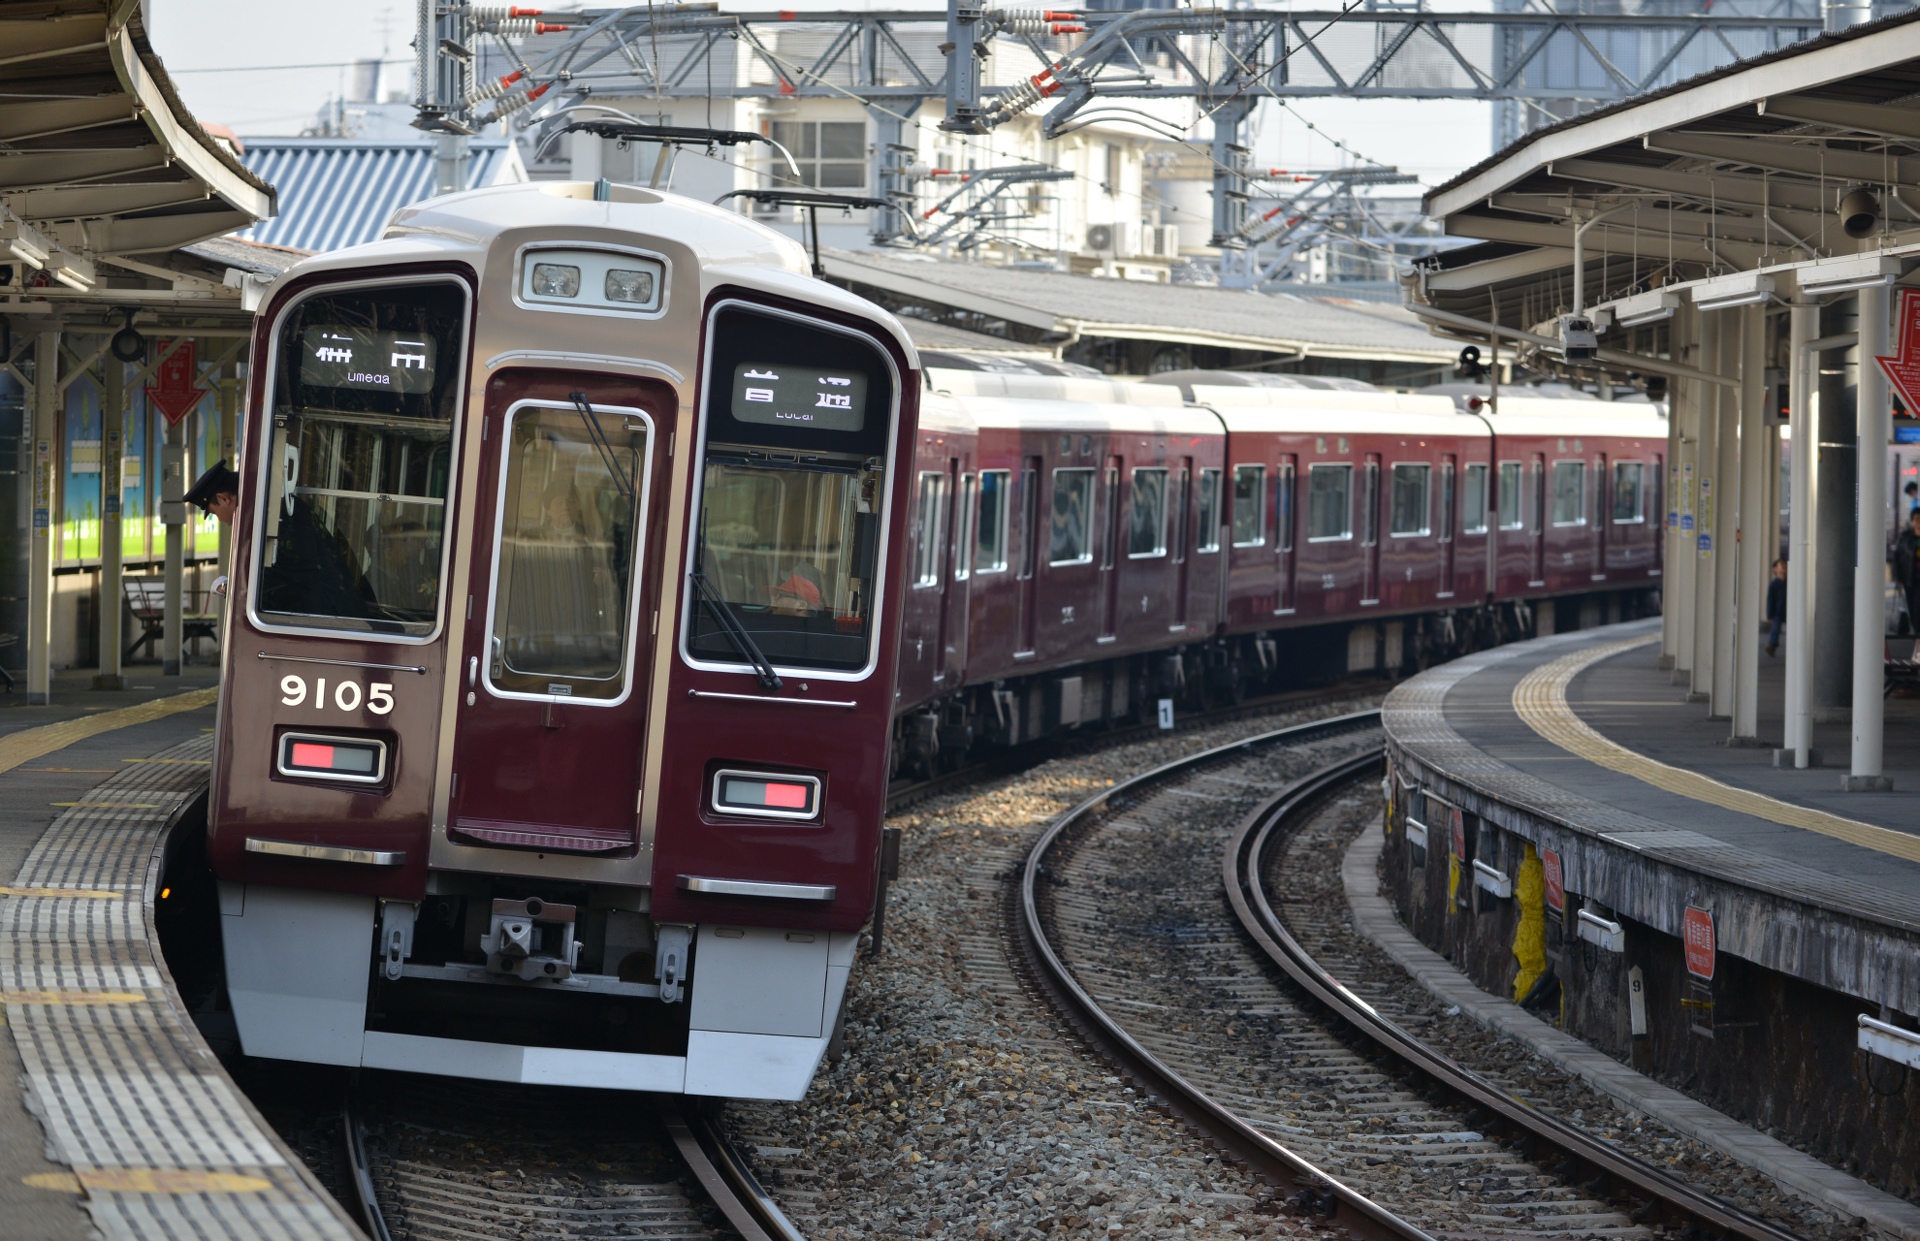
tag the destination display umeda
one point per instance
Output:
(799, 396)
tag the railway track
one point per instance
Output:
(1215, 1008)
(464, 1161)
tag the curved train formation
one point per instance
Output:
(592, 558)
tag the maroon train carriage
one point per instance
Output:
(1084, 548)
(561, 655)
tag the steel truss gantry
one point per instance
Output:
(481, 64)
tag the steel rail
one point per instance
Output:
(714, 1161)
(1243, 875)
(1267, 1158)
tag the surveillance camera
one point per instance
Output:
(1859, 213)
(1578, 341)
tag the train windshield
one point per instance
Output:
(352, 523)
(792, 491)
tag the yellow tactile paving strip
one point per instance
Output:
(31, 743)
(1541, 700)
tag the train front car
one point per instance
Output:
(560, 659)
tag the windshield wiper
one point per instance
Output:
(731, 626)
(623, 483)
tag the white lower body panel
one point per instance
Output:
(763, 1005)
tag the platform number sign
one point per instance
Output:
(1696, 932)
(1555, 880)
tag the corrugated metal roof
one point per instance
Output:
(337, 192)
(1132, 309)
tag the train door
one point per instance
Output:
(1370, 530)
(1445, 526)
(556, 689)
(1537, 521)
(1283, 532)
(941, 543)
(1179, 502)
(1029, 553)
(1603, 502)
(1109, 550)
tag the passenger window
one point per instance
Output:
(1209, 511)
(991, 539)
(1249, 505)
(931, 522)
(358, 459)
(1475, 500)
(1410, 508)
(963, 546)
(1569, 493)
(1147, 532)
(1626, 492)
(563, 577)
(1329, 502)
(1072, 517)
(1510, 499)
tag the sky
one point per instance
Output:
(235, 63)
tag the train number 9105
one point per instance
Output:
(346, 694)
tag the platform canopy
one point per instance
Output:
(104, 175)
(1735, 175)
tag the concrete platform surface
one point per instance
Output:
(116, 1120)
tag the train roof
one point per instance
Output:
(1307, 411)
(707, 248)
(1025, 413)
(1099, 390)
(1560, 417)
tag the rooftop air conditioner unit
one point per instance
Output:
(1100, 238)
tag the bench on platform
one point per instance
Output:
(147, 601)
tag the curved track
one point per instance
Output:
(480, 1168)
(1524, 1170)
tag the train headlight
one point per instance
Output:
(556, 280)
(626, 285)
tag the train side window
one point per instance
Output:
(962, 527)
(1329, 502)
(1569, 493)
(1249, 505)
(931, 522)
(1072, 517)
(1209, 511)
(1627, 501)
(1510, 505)
(990, 543)
(1411, 507)
(358, 458)
(1147, 527)
(564, 566)
(1475, 500)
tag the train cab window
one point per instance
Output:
(1209, 511)
(930, 527)
(1072, 517)
(1249, 505)
(563, 580)
(1569, 493)
(357, 459)
(1147, 527)
(1474, 500)
(1411, 509)
(1329, 502)
(1510, 498)
(797, 427)
(1627, 505)
(990, 541)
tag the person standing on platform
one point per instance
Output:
(1906, 572)
(1776, 604)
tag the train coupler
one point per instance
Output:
(532, 939)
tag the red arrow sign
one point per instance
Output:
(1903, 368)
(1696, 932)
(175, 389)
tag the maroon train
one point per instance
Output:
(1084, 548)
(590, 554)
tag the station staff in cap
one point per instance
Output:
(217, 492)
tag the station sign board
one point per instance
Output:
(1459, 834)
(1556, 881)
(1696, 933)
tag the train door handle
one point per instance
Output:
(473, 670)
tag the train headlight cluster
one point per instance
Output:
(586, 279)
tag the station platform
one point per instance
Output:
(116, 1120)
(1585, 733)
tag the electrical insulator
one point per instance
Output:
(521, 27)
(484, 13)
(519, 99)
(1028, 93)
(1035, 21)
(493, 88)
